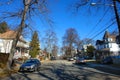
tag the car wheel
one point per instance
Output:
(38, 68)
(35, 69)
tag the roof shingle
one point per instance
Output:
(8, 35)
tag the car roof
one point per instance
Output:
(33, 59)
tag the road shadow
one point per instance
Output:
(64, 76)
(103, 68)
(45, 76)
(69, 74)
(92, 71)
(79, 63)
(100, 67)
(57, 73)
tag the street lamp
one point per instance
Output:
(116, 14)
(94, 4)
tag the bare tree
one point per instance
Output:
(30, 8)
(69, 40)
(55, 51)
(87, 41)
(26, 7)
(78, 44)
(50, 40)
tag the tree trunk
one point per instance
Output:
(71, 55)
(19, 31)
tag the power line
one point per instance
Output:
(104, 29)
(104, 25)
(101, 28)
(98, 23)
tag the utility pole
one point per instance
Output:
(117, 19)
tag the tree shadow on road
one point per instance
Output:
(44, 75)
(56, 73)
(62, 74)
(97, 71)
(106, 69)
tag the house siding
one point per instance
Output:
(115, 47)
(5, 46)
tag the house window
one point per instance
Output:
(107, 45)
(109, 39)
(0, 41)
(110, 45)
(105, 40)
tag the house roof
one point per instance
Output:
(108, 35)
(99, 42)
(8, 35)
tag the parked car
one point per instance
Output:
(53, 58)
(30, 65)
(70, 59)
(107, 60)
(80, 61)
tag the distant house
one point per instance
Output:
(44, 54)
(6, 40)
(108, 46)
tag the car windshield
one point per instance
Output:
(30, 61)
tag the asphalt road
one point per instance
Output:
(64, 70)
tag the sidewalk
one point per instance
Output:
(110, 66)
(105, 68)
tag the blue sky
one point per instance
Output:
(83, 21)
(61, 13)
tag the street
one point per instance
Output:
(64, 70)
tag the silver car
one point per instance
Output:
(30, 65)
(80, 61)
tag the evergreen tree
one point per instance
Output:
(3, 27)
(90, 51)
(34, 45)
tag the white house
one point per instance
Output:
(108, 45)
(6, 40)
